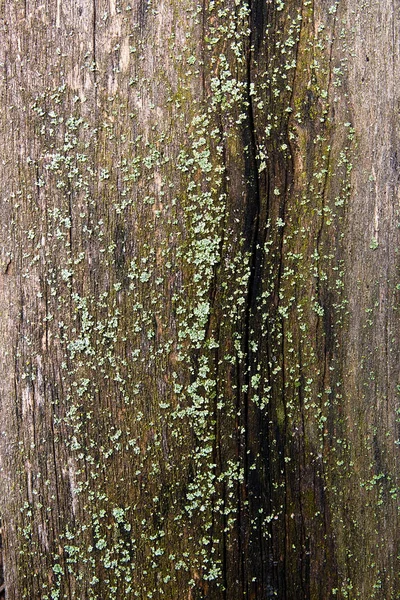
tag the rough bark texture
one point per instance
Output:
(199, 292)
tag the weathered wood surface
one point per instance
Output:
(199, 333)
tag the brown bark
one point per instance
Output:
(199, 334)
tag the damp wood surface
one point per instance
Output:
(199, 295)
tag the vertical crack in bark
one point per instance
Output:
(94, 52)
(281, 348)
(251, 234)
(2, 584)
(203, 51)
(217, 459)
(218, 441)
(143, 10)
(302, 459)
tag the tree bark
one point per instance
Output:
(199, 299)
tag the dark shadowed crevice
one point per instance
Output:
(251, 548)
(142, 13)
(2, 584)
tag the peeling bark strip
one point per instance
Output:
(199, 357)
